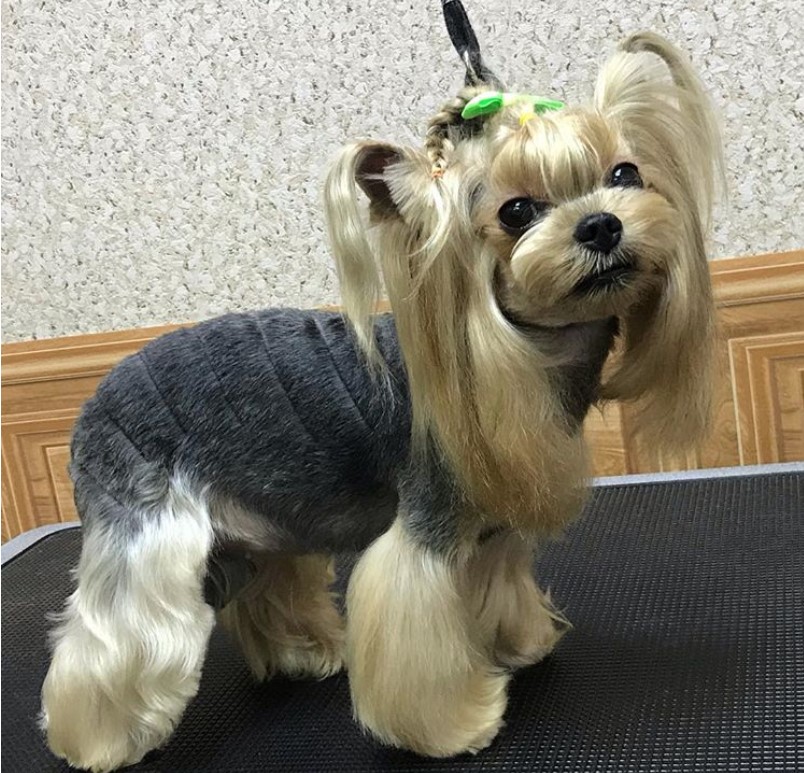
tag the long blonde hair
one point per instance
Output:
(480, 389)
(667, 366)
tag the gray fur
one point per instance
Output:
(273, 410)
(277, 413)
(578, 380)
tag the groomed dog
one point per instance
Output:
(520, 248)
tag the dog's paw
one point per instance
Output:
(97, 735)
(105, 761)
(471, 728)
(485, 735)
(457, 719)
(310, 659)
(531, 640)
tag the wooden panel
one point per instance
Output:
(36, 450)
(760, 305)
(758, 299)
(10, 518)
(759, 398)
(604, 433)
(769, 397)
(758, 278)
(789, 377)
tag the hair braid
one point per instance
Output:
(437, 142)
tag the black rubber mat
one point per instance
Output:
(687, 654)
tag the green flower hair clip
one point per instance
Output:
(490, 102)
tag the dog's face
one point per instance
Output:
(575, 218)
(582, 225)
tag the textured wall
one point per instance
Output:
(162, 159)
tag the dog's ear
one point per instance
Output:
(650, 92)
(390, 176)
(372, 164)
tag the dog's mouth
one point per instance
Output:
(607, 278)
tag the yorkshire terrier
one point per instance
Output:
(538, 259)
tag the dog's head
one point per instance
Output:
(526, 218)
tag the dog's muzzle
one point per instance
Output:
(611, 275)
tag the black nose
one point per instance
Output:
(600, 232)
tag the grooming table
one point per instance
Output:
(687, 654)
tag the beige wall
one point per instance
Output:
(162, 159)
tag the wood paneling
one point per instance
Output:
(759, 405)
(761, 316)
(768, 372)
(604, 430)
(38, 452)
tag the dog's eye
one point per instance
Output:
(625, 176)
(517, 215)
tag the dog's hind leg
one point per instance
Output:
(129, 649)
(417, 678)
(516, 621)
(285, 620)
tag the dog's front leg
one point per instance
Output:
(515, 619)
(417, 679)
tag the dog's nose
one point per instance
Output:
(600, 232)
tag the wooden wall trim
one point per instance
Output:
(758, 279)
(760, 400)
(73, 356)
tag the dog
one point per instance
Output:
(538, 259)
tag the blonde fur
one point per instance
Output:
(668, 358)
(286, 621)
(480, 385)
(513, 617)
(459, 349)
(437, 142)
(128, 652)
(359, 276)
(418, 678)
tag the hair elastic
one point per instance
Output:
(490, 102)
